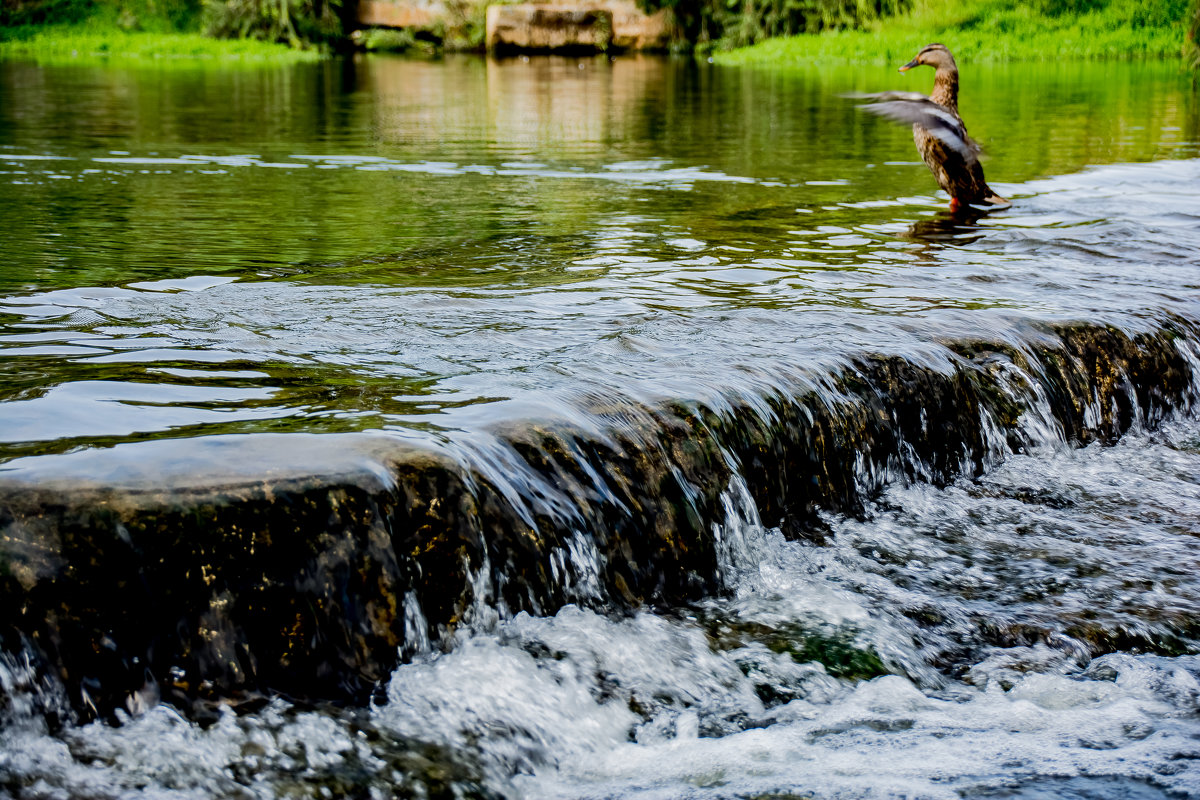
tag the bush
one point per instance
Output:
(1057, 8)
(40, 12)
(156, 15)
(294, 22)
(1191, 45)
(734, 23)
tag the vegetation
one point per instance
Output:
(997, 30)
(1191, 44)
(84, 42)
(127, 15)
(734, 23)
(140, 29)
(391, 40)
(879, 31)
(294, 22)
(466, 26)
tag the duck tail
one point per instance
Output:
(994, 199)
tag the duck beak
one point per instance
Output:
(909, 65)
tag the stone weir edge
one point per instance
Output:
(221, 579)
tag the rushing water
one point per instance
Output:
(451, 251)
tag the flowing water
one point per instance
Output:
(1001, 600)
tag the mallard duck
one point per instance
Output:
(939, 131)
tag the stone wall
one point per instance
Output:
(588, 24)
(401, 13)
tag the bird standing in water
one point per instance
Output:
(939, 131)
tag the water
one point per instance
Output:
(451, 254)
(705, 702)
(400, 244)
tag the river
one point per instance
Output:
(613, 428)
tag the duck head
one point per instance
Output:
(932, 55)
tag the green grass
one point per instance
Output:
(83, 43)
(990, 30)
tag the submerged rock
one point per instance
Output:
(221, 569)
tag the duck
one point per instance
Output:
(938, 130)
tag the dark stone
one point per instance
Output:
(222, 569)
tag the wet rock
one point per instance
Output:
(837, 651)
(144, 569)
(133, 569)
(884, 419)
(1102, 380)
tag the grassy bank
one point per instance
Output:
(58, 43)
(993, 30)
(155, 30)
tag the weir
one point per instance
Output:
(225, 569)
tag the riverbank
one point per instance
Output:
(989, 31)
(185, 30)
(85, 43)
(977, 31)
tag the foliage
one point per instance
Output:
(37, 12)
(850, 30)
(732, 23)
(995, 30)
(1191, 43)
(57, 43)
(160, 16)
(467, 27)
(1089, 14)
(294, 22)
(466, 24)
(135, 30)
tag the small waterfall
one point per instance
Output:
(365, 549)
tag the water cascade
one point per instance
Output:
(157, 567)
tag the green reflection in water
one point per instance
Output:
(476, 152)
(536, 214)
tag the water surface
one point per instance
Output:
(437, 248)
(385, 243)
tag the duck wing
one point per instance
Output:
(915, 108)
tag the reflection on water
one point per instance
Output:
(474, 230)
(455, 332)
(113, 175)
(960, 226)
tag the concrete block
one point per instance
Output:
(538, 26)
(634, 29)
(406, 14)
